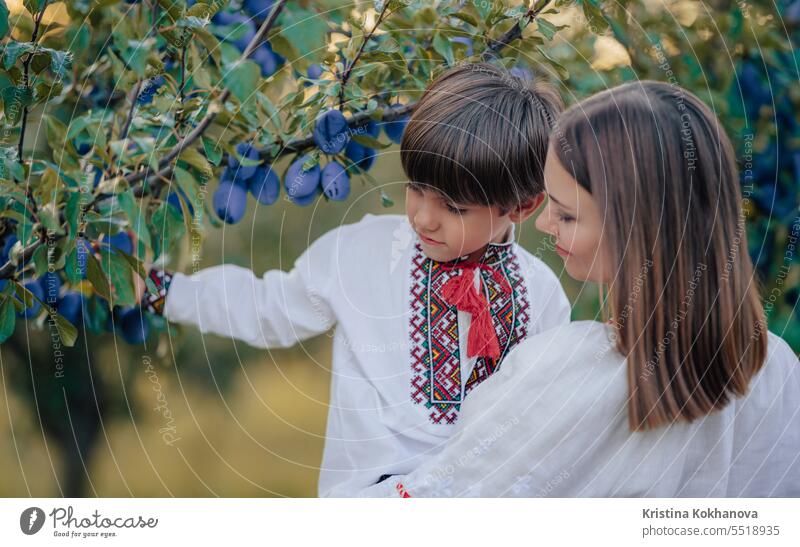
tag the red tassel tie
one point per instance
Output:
(460, 291)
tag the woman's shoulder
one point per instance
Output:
(578, 349)
(780, 372)
(778, 350)
(575, 336)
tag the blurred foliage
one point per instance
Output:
(131, 128)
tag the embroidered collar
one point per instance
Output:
(438, 381)
(494, 254)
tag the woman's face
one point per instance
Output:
(575, 221)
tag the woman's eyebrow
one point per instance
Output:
(556, 201)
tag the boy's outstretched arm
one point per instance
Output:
(277, 309)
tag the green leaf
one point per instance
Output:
(7, 318)
(466, 17)
(595, 16)
(24, 295)
(168, 228)
(72, 211)
(370, 142)
(121, 276)
(563, 73)
(66, 330)
(213, 151)
(32, 6)
(304, 29)
(442, 46)
(72, 268)
(97, 277)
(15, 99)
(242, 79)
(135, 264)
(3, 21)
(136, 217)
(197, 160)
(40, 260)
(12, 50)
(547, 28)
(55, 131)
(60, 61)
(211, 44)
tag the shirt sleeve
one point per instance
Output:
(275, 310)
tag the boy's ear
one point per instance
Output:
(525, 210)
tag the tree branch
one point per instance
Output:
(367, 38)
(134, 97)
(213, 110)
(8, 269)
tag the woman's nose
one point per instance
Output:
(544, 221)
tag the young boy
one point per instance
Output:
(425, 305)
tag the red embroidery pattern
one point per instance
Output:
(435, 356)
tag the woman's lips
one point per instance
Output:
(562, 251)
(428, 240)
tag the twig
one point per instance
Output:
(129, 119)
(8, 269)
(25, 78)
(201, 127)
(511, 34)
(367, 38)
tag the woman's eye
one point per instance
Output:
(564, 218)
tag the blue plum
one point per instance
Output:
(120, 240)
(230, 202)
(70, 307)
(360, 155)
(300, 183)
(331, 133)
(134, 325)
(265, 59)
(258, 8)
(303, 201)
(241, 172)
(394, 129)
(314, 71)
(335, 181)
(265, 185)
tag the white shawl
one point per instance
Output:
(553, 422)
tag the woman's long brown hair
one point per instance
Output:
(683, 295)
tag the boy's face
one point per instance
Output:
(449, 230)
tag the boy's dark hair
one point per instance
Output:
(479, 135)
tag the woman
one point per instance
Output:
(683, 393)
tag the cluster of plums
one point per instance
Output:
(302, 184)
(238, 29)
(73, 305)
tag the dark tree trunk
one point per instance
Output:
(69, 399)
